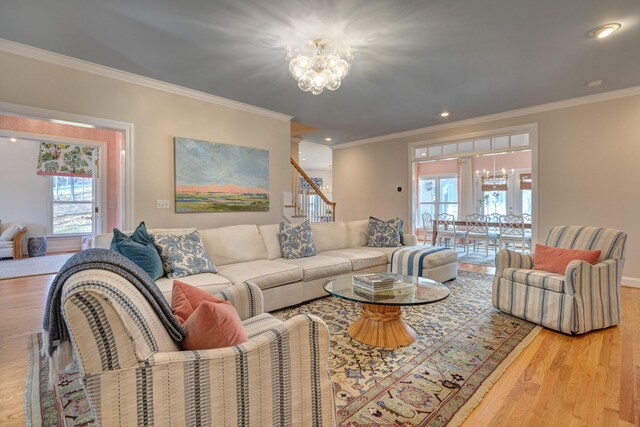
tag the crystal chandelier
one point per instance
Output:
(319, 64)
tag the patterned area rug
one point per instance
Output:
(478, 258)
(463, 347)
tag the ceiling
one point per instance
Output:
(413, 58)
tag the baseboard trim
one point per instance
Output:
(631, 282)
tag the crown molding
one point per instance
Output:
(78, 64)
(604, 96)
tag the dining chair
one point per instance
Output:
(512, 231)
(477, 229)
(427, 226)
(447, 230)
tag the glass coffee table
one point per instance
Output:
(380, 323)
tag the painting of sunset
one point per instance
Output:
(213, 177)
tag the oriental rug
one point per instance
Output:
(462, 348)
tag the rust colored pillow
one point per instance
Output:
(213, 325)
(555, 260)
(186, 298)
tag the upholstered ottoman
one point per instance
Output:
(435, 263)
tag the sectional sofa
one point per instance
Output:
(252, 253)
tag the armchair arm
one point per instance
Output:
(277, 378)
(596, 289)
(410, 239)
(511, 259)
(246, 298)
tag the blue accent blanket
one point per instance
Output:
(409, 260)
(53, 325)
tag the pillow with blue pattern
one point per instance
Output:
(183, 255)
(139, 248)
(296, 240)
(385, 234)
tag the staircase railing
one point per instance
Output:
(310, 202)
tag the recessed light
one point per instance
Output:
(595, 83)
(66, 122)
(423, 154)
(304, 159)
(12, 139)
(444, 114)
(299, 152)
(327, 139)
(605, 30)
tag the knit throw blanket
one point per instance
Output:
(55, 332)
(409, 260)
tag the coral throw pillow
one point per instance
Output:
(186, 298)
(209, 321)
(555, 260)
(213, 325)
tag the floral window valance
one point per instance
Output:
(68, 160)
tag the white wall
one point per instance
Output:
(158, 116)
(588, 170)
(326, 179)
(24, 196)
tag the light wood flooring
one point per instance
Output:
(588, 380)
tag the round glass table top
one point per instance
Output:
(407, 290)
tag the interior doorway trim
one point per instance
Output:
(530, 128)
(127, 128)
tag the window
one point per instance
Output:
(72, 205)
(495, 202)
(437, 195)
(526, 202)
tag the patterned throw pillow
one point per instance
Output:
(296, 240)
(384, 234)
(183, 255)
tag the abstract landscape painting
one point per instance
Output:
(212, 177)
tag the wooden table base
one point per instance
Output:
(382, 326)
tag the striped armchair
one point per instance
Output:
(585, 298)
(136, 375)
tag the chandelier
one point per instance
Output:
(319, 64)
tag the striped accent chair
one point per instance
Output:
(585, 298)
(136, 375)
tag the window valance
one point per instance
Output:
(68, 160)
(494, 183)
(525, 181)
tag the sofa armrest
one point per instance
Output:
(274, 378)
(596, 289)
(511, 259)
(246, 298)
(410, 239)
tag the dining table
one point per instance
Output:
(463, 223)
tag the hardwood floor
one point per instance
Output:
(588, 380)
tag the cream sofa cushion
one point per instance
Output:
(360, 258)
(271, 238)
(320, 266)
(330, 235)
(208, 282)
(264, 273)
(358, 233)
(387, 251)
(237, 243)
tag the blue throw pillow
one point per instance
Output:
(183, 255)
(383, 234)
(140, 249)
(296, 240)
